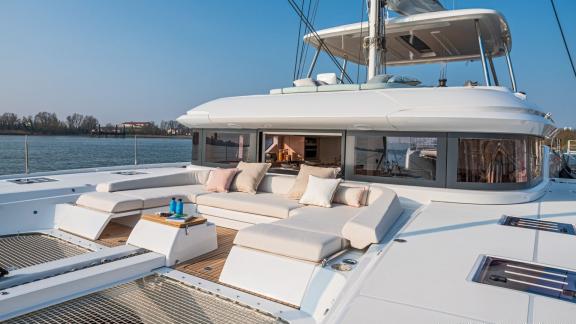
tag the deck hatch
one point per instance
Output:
(153, 299)
(527, 277)
(31, 180)
(24, 250)
(540, 225)
(129, 173)
(416, 43)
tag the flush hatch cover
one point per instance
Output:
(31, 180)
(129, 173)
(540, 225)
(528, 277)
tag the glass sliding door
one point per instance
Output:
(287, 151)
(226, 148)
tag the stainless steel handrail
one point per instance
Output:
(135, 150)
(26, 158)
(28, 172)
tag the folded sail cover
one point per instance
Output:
(412, 7)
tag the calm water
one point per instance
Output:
(50, 153)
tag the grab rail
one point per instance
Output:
(26, 159)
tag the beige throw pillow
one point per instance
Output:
(351, 196)
(302, 179)
(319, 191)
(249, 176)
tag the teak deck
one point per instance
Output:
(114, 235)
(210, 265)
(207, 266)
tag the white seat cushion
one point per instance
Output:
(157, 197)
(320, 219)
(290, 242)
(194, 191)
(180, 178)
(371, 224)
(265, 204)
(111, 202)
(277, 183)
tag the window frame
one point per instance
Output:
(537, 180)
(452, 164)
(440, 179)
(446, 164)
(252, 132)
(335, 133)
(201, 143)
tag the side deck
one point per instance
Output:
(439, 255)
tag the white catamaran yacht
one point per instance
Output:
(383, 201)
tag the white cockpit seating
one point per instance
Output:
(275, 230)
(356, 226)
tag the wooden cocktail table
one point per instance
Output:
(164, 220)
(178, 241)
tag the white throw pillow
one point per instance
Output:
(319, 191)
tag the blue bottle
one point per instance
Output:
(180, 207)
(173, 205)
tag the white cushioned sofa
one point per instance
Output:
(277, 237)
(267, 221)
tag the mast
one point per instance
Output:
(374, 44)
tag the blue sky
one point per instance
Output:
(155, 59)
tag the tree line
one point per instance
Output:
(46, 123)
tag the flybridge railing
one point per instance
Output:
(25, 155)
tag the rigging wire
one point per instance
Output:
(303, 5)
(296, 63)
(305, 45)
(318, 38)
(563, 37)
(313, 20)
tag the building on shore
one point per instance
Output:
(133, 124)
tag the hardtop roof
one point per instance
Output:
(441, 36)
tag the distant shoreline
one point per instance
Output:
(22, 133)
